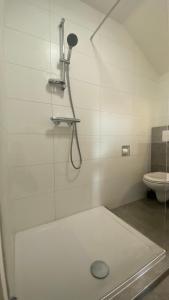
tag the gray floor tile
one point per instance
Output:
(152, 219)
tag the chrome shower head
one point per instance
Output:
(72, 40)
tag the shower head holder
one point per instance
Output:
(66, 61)
(56, 82)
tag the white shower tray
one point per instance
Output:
(52, 262)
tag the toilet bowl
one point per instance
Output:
(159, 183)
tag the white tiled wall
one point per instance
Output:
(161, 105)
(113, 86)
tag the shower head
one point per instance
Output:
(72, 40)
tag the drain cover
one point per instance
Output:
(99, 269)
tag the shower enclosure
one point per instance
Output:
(87, 229)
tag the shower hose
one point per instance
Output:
(74, 126)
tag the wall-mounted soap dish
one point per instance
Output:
(68, 121)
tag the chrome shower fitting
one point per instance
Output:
(61, 82)
(72, 41)
(56, 82)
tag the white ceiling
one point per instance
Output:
(147, 22)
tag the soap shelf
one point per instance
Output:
(68, 121)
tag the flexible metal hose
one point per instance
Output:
(74, 126)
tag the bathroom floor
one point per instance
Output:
(148, 216)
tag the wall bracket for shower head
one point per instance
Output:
(72, 41)
(66, 61)
(56, 82)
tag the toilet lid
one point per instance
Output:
(158, 177)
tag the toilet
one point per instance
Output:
(159, 183)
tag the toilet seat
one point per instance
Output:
(157, 177)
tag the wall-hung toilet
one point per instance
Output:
(159, 183)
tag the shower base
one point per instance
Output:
(53, 261)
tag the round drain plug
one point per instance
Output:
(99, 269)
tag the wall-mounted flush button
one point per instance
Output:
(125, 150)
(165, 136)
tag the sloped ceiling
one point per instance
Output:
(147, 22)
